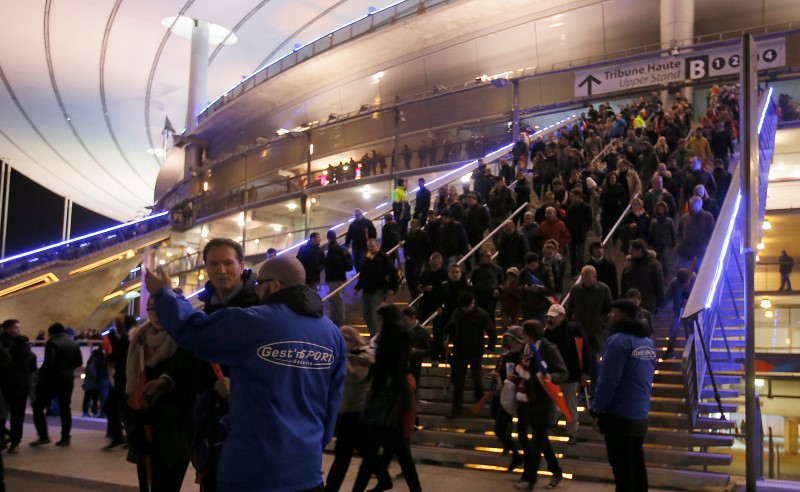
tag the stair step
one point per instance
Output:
(594, 449)
(713, 424)
(727, 366)
(722, 379)
(666, 376)
(657, 476)
(708, 393)
(705, 408)
(723, 356)
(733, 344)
(668, 390)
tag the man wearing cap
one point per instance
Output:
(573, 345)
(621, 402)
(287, 365)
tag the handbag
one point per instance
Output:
(135, 400)
(508, 397)
(382, 408)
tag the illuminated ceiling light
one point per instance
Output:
(346, 168)
(205, 185)
(204, 232)
(788, 341)
(241, 220)
(162, 262)
(169, 254)
(758, 258)
(378, 76)
(767, 314)
(281, 131)
(277, 227)
(158, 152)
(557, 24)
(367, 195)
(310, 149)
(759, 383)
(766, 303)
(201, 277)
(292, 206)
(216, 34)
(325, 172)
(314, 200)
(766, 225)
(465, 178)
(760, 246)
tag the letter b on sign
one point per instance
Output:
(696, 67)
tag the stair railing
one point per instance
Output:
(605, 241)
(722, 259)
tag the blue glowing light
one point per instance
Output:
(62, 243)
(197, 292)
(720, 264)
(764, 111)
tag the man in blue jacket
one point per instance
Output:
(622, 396)
(287, 365)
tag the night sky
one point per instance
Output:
(36, 215)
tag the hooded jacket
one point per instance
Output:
(287, 365)
(644, 274)
(625, 374)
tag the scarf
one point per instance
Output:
(149, 347)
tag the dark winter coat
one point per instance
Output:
(645, 274)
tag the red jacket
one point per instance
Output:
(554, 229)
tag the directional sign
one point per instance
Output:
(661, 70)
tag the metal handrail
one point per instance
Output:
(604, 242)
(701, 309)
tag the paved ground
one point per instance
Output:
(84, 466)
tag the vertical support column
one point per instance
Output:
(6, 191)
(677, 28)
(244, 233)
(198, 73)
(790, 434)
(749, 166)
(66, 227)
(398, 118)
(515, 109)
(4, 212)
(198, 92)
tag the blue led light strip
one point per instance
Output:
(81, 238)
(721, 262)
(764, 111)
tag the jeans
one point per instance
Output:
(460, 363)
(576, 256)
(534, 449)
(166, 478)
(394, 444)
(336, 303)
(369, 306)
(626, 457)
(570, 391)
(349, 437)
(45, 392)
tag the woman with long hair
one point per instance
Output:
(389, 409)
(158, 411)
(350, 431)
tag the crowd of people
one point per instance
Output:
(246, 405)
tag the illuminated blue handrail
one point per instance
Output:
(82, 245)
(724, 256)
